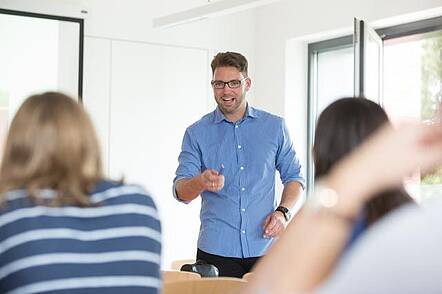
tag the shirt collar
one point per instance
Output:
(219, 116)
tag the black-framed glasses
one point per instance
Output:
(233, 84)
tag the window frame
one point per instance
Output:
(315, 48)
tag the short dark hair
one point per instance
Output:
(234, 59)
(341, 127)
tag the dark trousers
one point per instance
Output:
(228, 266)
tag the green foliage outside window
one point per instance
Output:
(431, 89)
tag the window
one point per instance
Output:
(37, 53)
(402, 71)
(326, 59)
(412, 88)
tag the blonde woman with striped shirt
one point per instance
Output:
(63, 227)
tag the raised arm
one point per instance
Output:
(307, 251)
(189, 189)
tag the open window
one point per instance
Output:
(368, 48)
(399, 67)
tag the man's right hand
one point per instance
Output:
(211, 180)
(189, 189)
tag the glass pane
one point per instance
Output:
(3, 129)
(372, 67)
(412, 89)
(335, 77)
(37, 55)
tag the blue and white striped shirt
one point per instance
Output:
(113, 246)
(251, 151)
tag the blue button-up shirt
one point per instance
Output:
(251, 150)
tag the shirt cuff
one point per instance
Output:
(175, 195)
(299, 180)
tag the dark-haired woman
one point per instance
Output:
(342, 126)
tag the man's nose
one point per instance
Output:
(227, 90)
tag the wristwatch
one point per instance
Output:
(285, 211)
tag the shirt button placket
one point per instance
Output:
(242, 198)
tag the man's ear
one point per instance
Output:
(248, 84)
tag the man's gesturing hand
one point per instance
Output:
(211, 180)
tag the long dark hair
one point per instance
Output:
(341, 127)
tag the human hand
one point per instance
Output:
(388, 156)
(274, 225)
(211, 180)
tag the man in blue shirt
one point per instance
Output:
(229, 157)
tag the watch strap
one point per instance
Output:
(285, 211)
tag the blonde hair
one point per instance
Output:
(52, 144)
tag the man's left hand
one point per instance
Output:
(274, 225)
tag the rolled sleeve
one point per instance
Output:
(189, 162)
(287, 162)
(175, 194)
